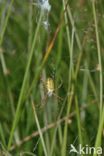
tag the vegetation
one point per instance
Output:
(63, 41)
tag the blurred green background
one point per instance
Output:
(70, 50)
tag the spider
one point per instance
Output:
(50, 88)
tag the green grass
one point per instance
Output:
(71, 53)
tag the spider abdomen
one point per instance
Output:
(50, 86)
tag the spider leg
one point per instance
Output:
(59, 85)
(58, 97)
(44, 102)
